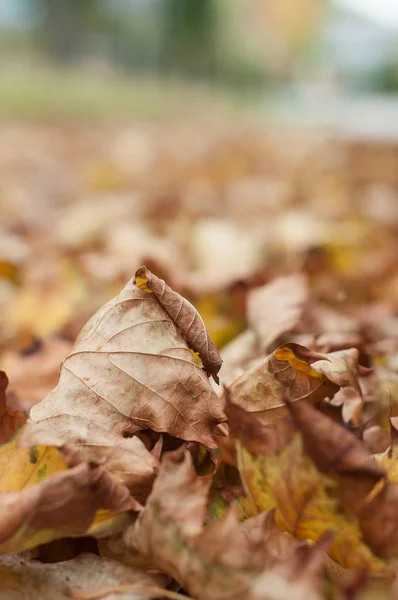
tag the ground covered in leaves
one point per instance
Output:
(221, 423)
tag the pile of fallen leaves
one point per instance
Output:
(262, 465)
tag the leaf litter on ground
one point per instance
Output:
(283, 484)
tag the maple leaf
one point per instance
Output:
(312, 480)
(223, 559)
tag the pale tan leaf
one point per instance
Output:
(186, 318)
(276, 308)
(21, 579)
(129, 369)
(288, 370)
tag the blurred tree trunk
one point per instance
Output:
(63, 25)
(189, 32)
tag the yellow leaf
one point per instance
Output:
(23, 467)
(42, 499)
(284, 353)
(305, 501)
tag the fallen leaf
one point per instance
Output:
(276, 308)
(126, 459)
(185, 317)
(298, 578)
(21, 578)
(33, 375)
(64, 504)
(224, 559)
(337, 451)
(130, 369)
(288, 369)
(10, 420)
(279, 474)
(341, 368)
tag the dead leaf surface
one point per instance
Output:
(288, 370)
(63, 504)
(276, 308)
(223, 560)
(185, 316)
(21, 579)
(10, 420)
(130, 369)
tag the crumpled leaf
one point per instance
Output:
(223, 560)
(379, 516)
(297, 578)
(288, 369)
(276, 308)
(341, 367)
(21, 578)
(10, 420)
(62, 505)
(126, 459)
(364, 488)
(338, 452)
(186, 318)
(129, 369)
(280, 474)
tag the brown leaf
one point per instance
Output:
(336, 451)
(10, 420)
(33, 375)
(307, 503)
(64, 504)
(379, 521)
(331, 446)
(276, 308)
(21, 578)
(341, 367)
(260, 389)
(130, 369)
(257, 438)
(224, 559)
(185, 317)
(298, 578)
(126, 459)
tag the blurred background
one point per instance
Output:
(221, 142)
(294, 58)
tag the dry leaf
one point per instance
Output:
(341, 367)
(62, 505)
(298, 578)
(278, 474)
(10, 420)
(276, 308)
(260, 389)
(33, 375)
(126, 459)
(21, 578)
(337, 451)
(130, 369)
(223, 560)
(185, 317)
